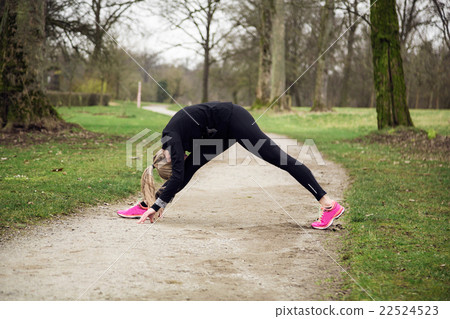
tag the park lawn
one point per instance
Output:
(397, 222)
(122, 118)
(93, 165)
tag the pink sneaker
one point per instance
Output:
(328, 215)
(133, 212)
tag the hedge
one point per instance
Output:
(76, 99)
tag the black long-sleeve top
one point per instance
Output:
(206, 120)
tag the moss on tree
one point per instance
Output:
(389, 80)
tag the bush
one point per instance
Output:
(431, 134)
(76, 99)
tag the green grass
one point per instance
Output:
(396, 237)
(123, 119)
(94, 168)
(396, 243)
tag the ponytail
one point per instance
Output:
(164, 170)
(148, 186)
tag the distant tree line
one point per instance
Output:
(393, 55)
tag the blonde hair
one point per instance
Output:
(164, 170)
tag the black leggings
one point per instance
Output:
(241, 130)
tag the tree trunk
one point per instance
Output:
(278, 72)
(347, 67)
(234, 94)
(102, 83)
(207, 45)
(98, 54)
(265, 62)
(372, 99)
(389, 80)
(439, 79)
(430, 101)
(321, 86)
(23, 102)
(417, 100)
(205, 75)
(118, 88)
(98, 33)
(296, 96)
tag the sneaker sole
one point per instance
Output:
(130, 217)
(331, 222)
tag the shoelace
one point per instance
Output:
(323, 211)
(321, 214)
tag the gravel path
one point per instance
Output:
(158, 108)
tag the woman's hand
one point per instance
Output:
(150, 213)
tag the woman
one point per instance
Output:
(226, 123)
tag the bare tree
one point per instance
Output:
(69, 20)
(148, 61)
(443, 11)
(411, 17)
(106, 14)
(198, 15)
(63, 22)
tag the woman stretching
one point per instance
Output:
(221, 124)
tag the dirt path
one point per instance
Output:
(222, 238)
(159, 108)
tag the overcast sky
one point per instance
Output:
(152, 33)
(149, 32)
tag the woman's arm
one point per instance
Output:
(176, 154)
